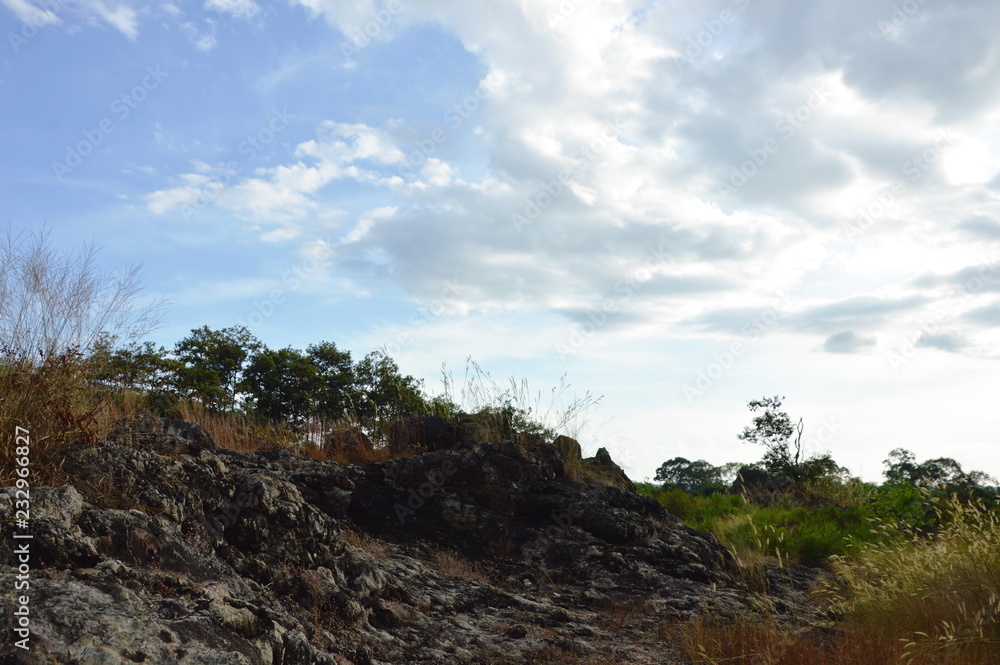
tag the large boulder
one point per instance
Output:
(487, 425)
(167, 436)
(423, 434)
(761, 487)
(569, 449)
(602, 470)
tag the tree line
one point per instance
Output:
(781, 437)
(230, 370)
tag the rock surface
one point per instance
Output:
(166, 549)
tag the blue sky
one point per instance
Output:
(679, 206)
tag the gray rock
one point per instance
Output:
(184, 553)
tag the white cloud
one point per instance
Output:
(121, 17)
(829, 116)
(32, 13)
(238, 8)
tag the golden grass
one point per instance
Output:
(454, 565)
(940, 594)
(921, 600)
(48, 404)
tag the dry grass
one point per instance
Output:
(919, 600)
(454, 565)
(514, 405)
(941, 594)
(762, 642)
(238, 432)
(49, 403)
(365, 542)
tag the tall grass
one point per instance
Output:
(940, 593)
(52, 401)
(799, 534)
(896, 597)
(530, 417)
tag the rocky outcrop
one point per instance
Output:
(165, 549)
(601, 469)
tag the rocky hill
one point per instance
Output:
(166, 549)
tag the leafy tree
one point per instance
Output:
(381, 393)
(820, 466)
(211, 362)
(900, 466)
(142, 367)
(334, 397)
(282, 385)
(773, 429)
(940, 473)
(697, 476)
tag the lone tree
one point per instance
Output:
(773, 429)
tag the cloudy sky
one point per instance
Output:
(677, 205)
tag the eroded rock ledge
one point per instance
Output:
(165, 549)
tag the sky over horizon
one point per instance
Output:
(678, 206)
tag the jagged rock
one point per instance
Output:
(486, 426)
(481, 552)
(569, 449)
(601, 469)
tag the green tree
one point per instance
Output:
(143, 367)
(282, 385)
(335, 396)
(773, 429)
(381, 394)
(941, 473)
(211, 363)
(697, 476)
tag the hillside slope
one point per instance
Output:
(165, 549)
